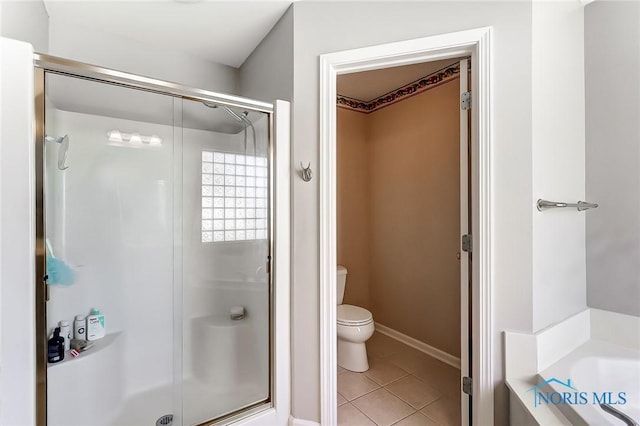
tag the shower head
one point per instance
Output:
(226, 108)
(242, 118)
(63, 151)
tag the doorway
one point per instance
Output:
(401, 206)
(473, 44)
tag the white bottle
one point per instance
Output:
(80, 328)
(65, 332)
(95, 325)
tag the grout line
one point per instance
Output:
(429, 417)
(431, 403)
(365, 394)
(411, 414)
(402, 399)
(364, 414)
(392, 381)
(345, 399)
(397, 380)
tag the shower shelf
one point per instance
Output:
(98, 346)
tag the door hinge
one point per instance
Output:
(465, 101)
(467, 385)
(467, 243)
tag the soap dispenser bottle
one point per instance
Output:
(55, 347)
(95, 325)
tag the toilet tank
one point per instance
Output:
(341, 282)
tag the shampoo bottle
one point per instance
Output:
(55, 347)
(95, 325)
(65, 332)
(80, 328)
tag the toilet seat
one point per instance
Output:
(353, 316)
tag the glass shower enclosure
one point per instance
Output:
(154, 240)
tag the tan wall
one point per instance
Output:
(412, 176)
(353, 213)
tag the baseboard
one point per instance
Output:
(301, 422)
(421, 346)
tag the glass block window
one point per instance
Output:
(234, 197)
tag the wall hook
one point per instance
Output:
(306, 172)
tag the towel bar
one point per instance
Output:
(580, 205)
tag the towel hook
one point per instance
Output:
(306, 172)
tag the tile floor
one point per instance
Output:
(402, 387)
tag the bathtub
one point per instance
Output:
(597, 367)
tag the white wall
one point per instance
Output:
(113, 214)
(72, 41)
(612, 62)
(328, 27)
(26, 21)
(267, 73)
(558, 161)
(17, 232)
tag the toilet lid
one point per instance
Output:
(353, 315)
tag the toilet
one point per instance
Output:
(355, 326)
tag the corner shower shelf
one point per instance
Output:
(98, 346)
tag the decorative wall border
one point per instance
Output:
(444, 75)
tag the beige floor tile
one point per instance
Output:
(348, 415)
(445, 411)
(411, 360)
(341, 370)
(383, 407)
(414, 391)
(450, 383)
(383, 372)
(441, 376)
(416, 419)
(380, 345)
(453, 389)
(353, 385)
(341, 400)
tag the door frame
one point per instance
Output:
(477, 44)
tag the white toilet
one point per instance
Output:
(355, 326)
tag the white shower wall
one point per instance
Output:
(111, 221)
(110, 216)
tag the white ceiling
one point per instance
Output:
(221, 31)
(368, 85)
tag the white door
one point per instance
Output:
(465, 257)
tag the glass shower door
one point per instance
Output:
(157, 214)
(226, 248)
(109, 199)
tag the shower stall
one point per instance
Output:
(154, 205)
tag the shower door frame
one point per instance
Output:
(278, 233)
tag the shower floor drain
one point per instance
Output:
(166, 420)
